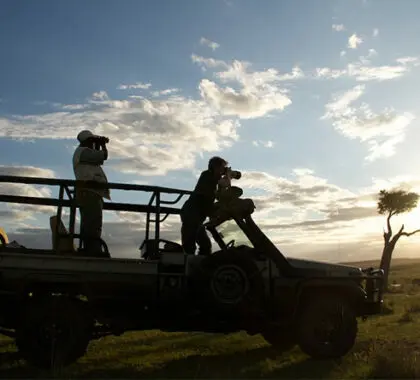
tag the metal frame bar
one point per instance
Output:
(68, 187)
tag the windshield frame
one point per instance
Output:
(234, 232)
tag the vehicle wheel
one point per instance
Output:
(53, 331)
(327, 327)
(232, 283)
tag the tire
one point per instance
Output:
(35, 339)
(231, 283)
(316, 315)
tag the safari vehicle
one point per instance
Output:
(56, 301)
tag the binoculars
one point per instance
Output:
(102, 140)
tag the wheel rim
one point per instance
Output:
(229, 284)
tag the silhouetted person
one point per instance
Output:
(88, 158)
(199, 206)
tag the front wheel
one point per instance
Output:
(327, 327)
(53, 331)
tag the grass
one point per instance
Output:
(388, 346)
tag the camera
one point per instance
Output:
(235, 174)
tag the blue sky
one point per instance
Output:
(304, 92)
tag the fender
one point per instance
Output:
(329, 286)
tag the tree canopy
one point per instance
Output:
(396, 202)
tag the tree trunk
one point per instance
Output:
(386, 262)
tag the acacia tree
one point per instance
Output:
(392, 203)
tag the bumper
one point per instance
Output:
(374, 295)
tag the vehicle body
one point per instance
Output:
(251, 286)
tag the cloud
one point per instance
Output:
(405, 61)
(138, 85)
(354, 41)
(362, 71)
(18, 212)
(26, 171)
(259, 93)
(338, 27)
(366, 59)
(168, 91)
(100, 95)
(265, 144)
(148, 136)
(211, 44)
(382, 131)
(375, 32)
(208, 62)
(305, 190)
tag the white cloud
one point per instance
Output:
(381, 131)
(260, 92)
(265, 144)
(208, 62)
(153, 135)
(100, 95)
(338, 27)
(408, 60)
(168, 91)
(211, 44)
(354, 41)
(26, 171)
(366, 59)
(138, 85)
(362, 71)
(25, 211)
(375, 32)
(328, 73)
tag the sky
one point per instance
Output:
(316, 103)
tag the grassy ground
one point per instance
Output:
(388, 347)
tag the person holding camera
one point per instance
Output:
(88, 158)
(199, 206)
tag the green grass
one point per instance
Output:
(388, 346)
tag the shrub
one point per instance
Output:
(406, 317)
(394, 360)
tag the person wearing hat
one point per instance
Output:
(88, 159)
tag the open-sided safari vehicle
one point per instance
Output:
(56, 301)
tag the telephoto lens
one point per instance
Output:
(235, 174)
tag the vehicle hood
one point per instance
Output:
(327, 269)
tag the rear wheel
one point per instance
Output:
(53, 331)
(327, 327)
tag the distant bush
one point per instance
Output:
(406, 317)
(414, 307)
(394, 360)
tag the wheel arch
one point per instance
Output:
(351, 292)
